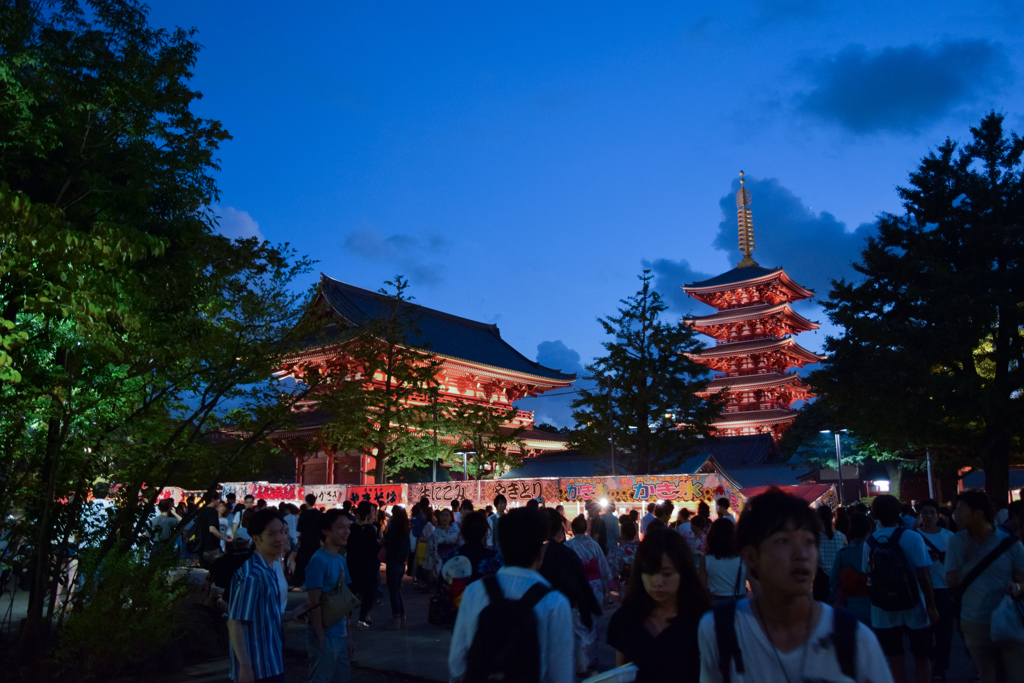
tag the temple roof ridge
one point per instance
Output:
(439, 332)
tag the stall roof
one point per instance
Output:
(809, 492)
(770, 475)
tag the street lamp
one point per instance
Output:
(839, 459)
(465, 463)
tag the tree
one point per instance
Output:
(931, 354)
(655, 409)
(480, 430)
(134, 337)
(386, 400)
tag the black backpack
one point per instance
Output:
(506, 646)
(891, 584)
(844, 640)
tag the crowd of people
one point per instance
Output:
(787, 592)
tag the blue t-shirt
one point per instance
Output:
(322, 572)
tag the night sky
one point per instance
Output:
(521, 164)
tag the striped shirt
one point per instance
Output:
(255, 602)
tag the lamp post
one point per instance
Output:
(839, 460)
(465, 463)
(611, 422)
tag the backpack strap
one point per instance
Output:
(931, 546)
(725, 636)
(493, 588)
(534, 594)
(984, 564)
(844, 637)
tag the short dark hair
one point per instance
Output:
(928, 503)
(665, 507)
(554, 522)
(651, 506)
(723, 502)
(474, 527)
(703, 510)
(860, 526)
(310, 499)
(467, 505)
(887, 509)
(364, 509)
(230, 496)
(346, 505)
(628, 529)
(261, 519)
(165, 505)
(578, 525)
(521, 535)
(978, 500)
(722, 539)
(771, 512)
(328, 519)
(249, 496)
(500, 498)
(211, 496)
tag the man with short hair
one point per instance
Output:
(254, 608)
(648, 518)
(937, 541)
(722, 509)
(248, 502)
(208, 529)
(611, 525)
(781, 633)
(308, 527)
(980, 541)
(915, 622)
(330, 650)
(522, 533)
(500, 504)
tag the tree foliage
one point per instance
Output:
(656, 413)
(931, 354)
(134, 337)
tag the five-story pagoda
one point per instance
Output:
(754, 329)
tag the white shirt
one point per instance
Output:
(941, 542)
(916, 552)
(554, 625)
(645, 521)
(762, 662)
(282, 585)
(722, 574)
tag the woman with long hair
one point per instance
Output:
(396, 552)
(722, 571)
(656, 627)
(830, 542)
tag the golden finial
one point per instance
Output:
(745, 221)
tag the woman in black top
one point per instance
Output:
(656, 627)
(396, 550)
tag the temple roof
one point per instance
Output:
(439, 333)
(757, 346)
(747, 313)
(748, 276)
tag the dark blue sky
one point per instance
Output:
(522, 162)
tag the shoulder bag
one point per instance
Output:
(339, 603)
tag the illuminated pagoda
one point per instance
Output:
(477, 367)
(754, 328)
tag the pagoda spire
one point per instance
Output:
(745, 221)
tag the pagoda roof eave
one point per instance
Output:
(765, 381)
(738, 315)
(746, 276)
(758, 345)
(754, 418)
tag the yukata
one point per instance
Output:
(599, 576)
(620, 561)
(441, 544)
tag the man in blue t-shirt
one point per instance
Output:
(330, 650)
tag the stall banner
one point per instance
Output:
(173, 492)
(830, 498)
(444, 492)
(519, 490)
(263, 490)
(688, 488)
(328, 495)
(387, 494)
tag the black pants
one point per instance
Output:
(302, 558)
(942, 631)
(367, 598)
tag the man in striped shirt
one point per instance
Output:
(254, 613)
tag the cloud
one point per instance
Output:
(814, 247)
(901, 89)
(556, 408)
(669, 278)
(409, 252)
(235, 224)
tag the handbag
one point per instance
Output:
(337, 604)
(1008, 622)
